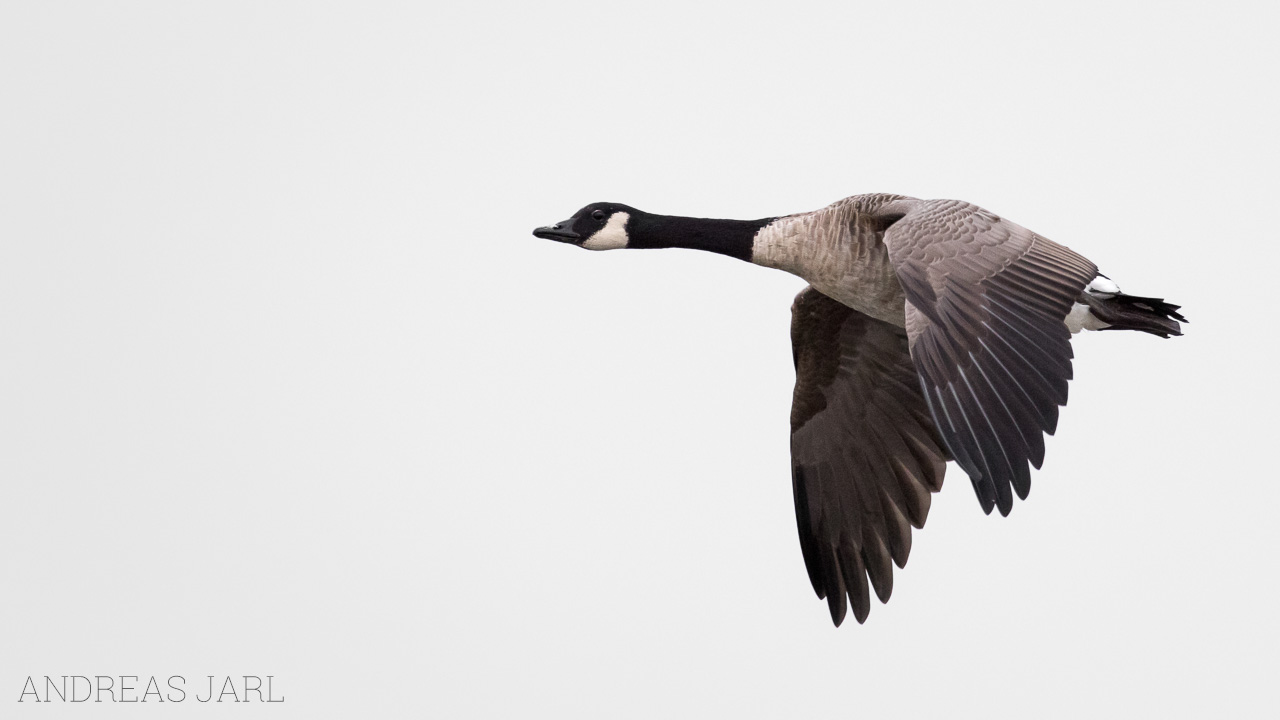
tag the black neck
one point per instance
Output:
(727, 237)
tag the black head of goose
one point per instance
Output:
(611, 226)
(931, 330)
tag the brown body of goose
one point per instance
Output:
(932, 330)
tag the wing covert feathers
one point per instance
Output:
(865, 455)
(986, 303)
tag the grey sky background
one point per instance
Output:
(288, 388)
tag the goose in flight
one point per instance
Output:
(931, 330)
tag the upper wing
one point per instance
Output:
(986, 300)
(864, 454)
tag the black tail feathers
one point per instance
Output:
(1130, 312)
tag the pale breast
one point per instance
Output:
(840, 253)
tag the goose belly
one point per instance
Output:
(871, 290)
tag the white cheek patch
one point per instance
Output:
(612, 236)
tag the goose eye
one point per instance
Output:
(598, 215)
